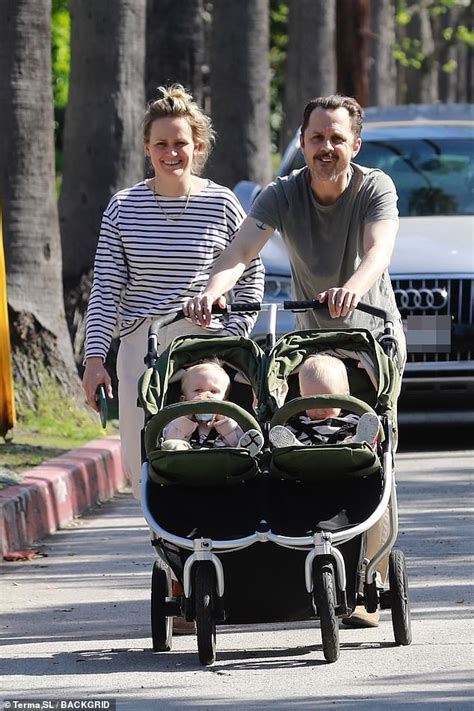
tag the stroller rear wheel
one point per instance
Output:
(324, 592)
(161, 624)
(397, 575)
(204, 602)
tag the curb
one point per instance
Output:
(54, 492)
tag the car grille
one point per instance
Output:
(440, 296)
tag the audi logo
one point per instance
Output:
(421, 299)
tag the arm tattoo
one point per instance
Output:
(262, 226)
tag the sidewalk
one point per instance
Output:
(53, 493)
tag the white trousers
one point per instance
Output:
(130, 366)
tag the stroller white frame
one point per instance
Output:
(322, 543)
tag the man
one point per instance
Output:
(339, 222)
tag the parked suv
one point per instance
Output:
(428, 150)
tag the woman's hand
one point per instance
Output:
(199, 308)
(341, 301)
(94, 375)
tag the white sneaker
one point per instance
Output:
(252, 441)
(281, 436)
(367, 429)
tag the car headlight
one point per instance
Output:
(277, 288)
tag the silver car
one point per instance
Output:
(428, 150)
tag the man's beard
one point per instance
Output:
(331, 177)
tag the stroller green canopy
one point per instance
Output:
(373, 377)
(374, 385)
(158, 392)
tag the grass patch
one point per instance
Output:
(57, 417)
(54, 427)
(16, 457)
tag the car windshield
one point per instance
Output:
(433, 176)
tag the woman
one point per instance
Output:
(158, 242)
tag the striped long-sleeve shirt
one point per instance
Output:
(147, 265)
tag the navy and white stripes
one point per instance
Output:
(146, 265)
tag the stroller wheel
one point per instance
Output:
(161, 624)
(324, 592)
(397, 575)
(204, 600)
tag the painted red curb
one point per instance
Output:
(54, 492)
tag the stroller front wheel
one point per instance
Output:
(161, 624)
(325, 600)
(204, 602)
(399, 603)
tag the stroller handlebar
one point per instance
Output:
(248, 307)
(300, 306)
(366, 308)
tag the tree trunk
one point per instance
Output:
(465, 75)
(175, 51)
(383, 72)
(103, 144)
(420, 85)
(455, 58)
(352, 46)
(430, 65)
(240, 91)
(40, 339)
(311, 59)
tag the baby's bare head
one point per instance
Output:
(323, 374)
(205, 381)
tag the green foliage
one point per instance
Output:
(449, 67)
(464, 34)
(61, 62)
(278, 50)
(61, 51)
(408, 51)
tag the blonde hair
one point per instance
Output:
(176, 101)
(327, 370)
(212, 365)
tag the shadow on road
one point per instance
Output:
(436, 437)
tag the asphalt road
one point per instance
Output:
(75, 624)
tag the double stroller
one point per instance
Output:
(279, 536)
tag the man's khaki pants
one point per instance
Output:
(376, 536)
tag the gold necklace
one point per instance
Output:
(168, 217)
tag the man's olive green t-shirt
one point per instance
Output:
(325, 242)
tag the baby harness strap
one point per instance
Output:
(208, 442)
(312, 430)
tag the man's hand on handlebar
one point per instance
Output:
(340, 300)
(199, 308)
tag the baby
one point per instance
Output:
(207, 381)
(325, 375)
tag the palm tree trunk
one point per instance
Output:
(383, 71)
(240, 91)
(103, 144)
(175, 51)
(353, 23)
(311, 60)
(39, 335)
